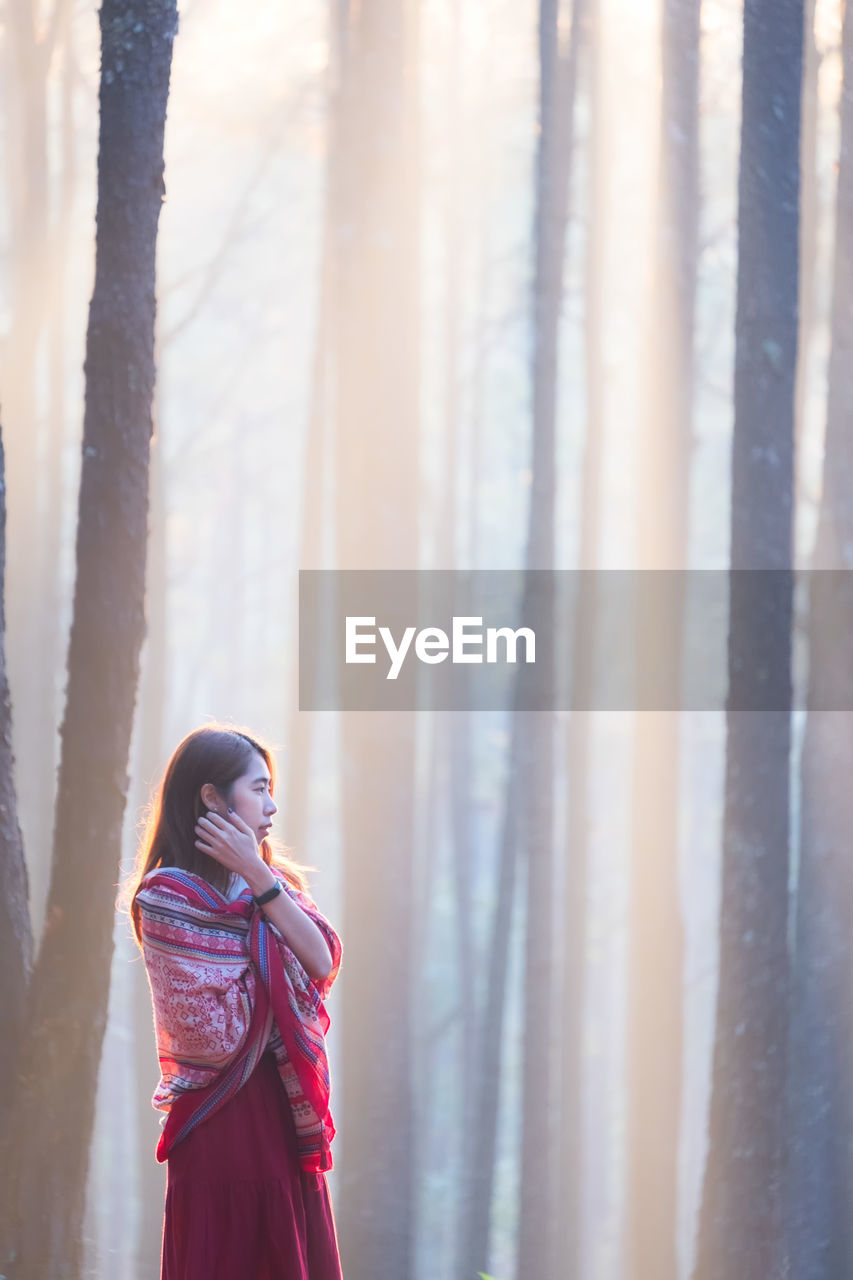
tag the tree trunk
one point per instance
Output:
(568, 1241)
(741, 1216)
(558, 77)
(528, 815)
(809, 214)
(479, 1166)
(316, 503)
(656, 946)
(376, 345)
(445, 821)
(821, 1122)
(45, 1188)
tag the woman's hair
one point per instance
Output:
(213, 753)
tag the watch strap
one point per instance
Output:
(262, 899)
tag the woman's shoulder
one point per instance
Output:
(173, 882)
(176, 874)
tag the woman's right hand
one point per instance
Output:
(232, 843)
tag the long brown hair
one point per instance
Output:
(213, 753)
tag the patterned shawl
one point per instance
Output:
(225, 986)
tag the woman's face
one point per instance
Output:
(250, 797)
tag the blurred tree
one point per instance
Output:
(820, 1175)
(528, 803)
(316, 504)
(376, 371)
(49, 1116)
(40, 197)
(740, 1227)
(558, 70)
(447, 816)
(656, 945)
(809, 214)
(569, 1026)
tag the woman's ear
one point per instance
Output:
(210, 796)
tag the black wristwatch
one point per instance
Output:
(262, 899)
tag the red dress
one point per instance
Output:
(239, 1206)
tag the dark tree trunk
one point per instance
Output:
(558, 78)
(45, 1187)
(821, 1119)
(741, 1216)
(656, 946)
(377, 379)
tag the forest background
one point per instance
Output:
(438, 285)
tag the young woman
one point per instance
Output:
(239, 961)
